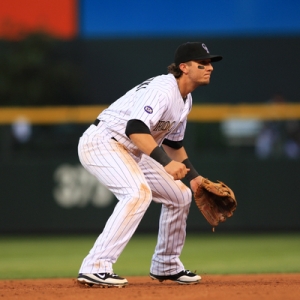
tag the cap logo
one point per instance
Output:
(205, 48)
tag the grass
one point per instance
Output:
(218, 253)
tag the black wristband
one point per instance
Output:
(160, 156)
(192, 172)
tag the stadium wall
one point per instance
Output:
(59, 196)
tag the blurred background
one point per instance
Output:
(63, 61)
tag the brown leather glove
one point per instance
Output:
(216, 201)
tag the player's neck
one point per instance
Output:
(184, 87)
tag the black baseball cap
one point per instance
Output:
(193, 51)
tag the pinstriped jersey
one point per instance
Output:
(158, 103)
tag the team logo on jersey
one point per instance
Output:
(164, 126)
(148, 109)
(204, 47)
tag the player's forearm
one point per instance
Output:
(180, 155)
(176, 154)
(145, 142)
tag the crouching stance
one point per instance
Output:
(135, 148)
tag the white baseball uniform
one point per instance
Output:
(135, 178)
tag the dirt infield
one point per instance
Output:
(274, 286)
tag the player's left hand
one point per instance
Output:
(216, 201)
(195, 183)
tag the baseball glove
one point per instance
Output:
(216, 201)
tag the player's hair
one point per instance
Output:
(175, 70)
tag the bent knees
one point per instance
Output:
(186, 196)
(175, 194)
(144, 194)
(137, 199)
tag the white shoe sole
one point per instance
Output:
(89, 283)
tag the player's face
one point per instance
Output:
(200, 71)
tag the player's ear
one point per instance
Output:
(183, 67)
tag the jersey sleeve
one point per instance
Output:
(178, 133)
(150, 105)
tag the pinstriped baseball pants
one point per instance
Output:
(135, 183)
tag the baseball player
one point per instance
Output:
(135, 148)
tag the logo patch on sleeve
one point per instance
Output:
(148, 109)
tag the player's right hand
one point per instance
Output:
(176, 169)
